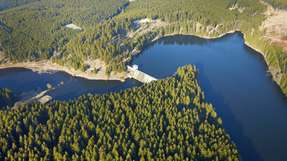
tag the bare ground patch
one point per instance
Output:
(47, 66)
(275, 26)
(144, 26)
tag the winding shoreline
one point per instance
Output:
(45, 66)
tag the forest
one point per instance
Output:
(110, 42)
(7, 98)
(106, 29)
(105, 33)
(164, 120)
(36, 31)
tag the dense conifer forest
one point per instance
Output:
(7, 98)
(106, 29)
(163, 120)
(36, 31)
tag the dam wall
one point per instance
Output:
(139, 75)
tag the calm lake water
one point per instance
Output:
(26, 82)
(235, 81)
(233, 77)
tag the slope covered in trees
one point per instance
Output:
(107, 38)
(6, 97)
(25, 41)
(36, 30)
(110, 41)
(163, 120)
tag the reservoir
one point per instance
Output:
(233, 77)
(25, 83)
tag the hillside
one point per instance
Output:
(37, 31)
(110, 40)
(113, 39)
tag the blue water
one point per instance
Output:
(235, 80)
(24, 81)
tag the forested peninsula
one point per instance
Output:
(168, 119)
(164, 120)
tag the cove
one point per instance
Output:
(25, 83)
(235, 80)
(233, 77)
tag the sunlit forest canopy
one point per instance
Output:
(6, 98)
(167, 119)
(110, 34)
(34, 31)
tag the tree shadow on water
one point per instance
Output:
(232, 126)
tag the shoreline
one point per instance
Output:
(46, 66)
(273, 73)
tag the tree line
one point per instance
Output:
(106, 37)
(7, 98)
(164, 120)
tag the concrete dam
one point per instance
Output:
(139, 75)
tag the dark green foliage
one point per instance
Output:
(6, 97)
(282, 4)
(283, 83)
(109, 41)
(105, 35)
(163, 120)
(37, 30)
(104, 42)
(275, 58)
